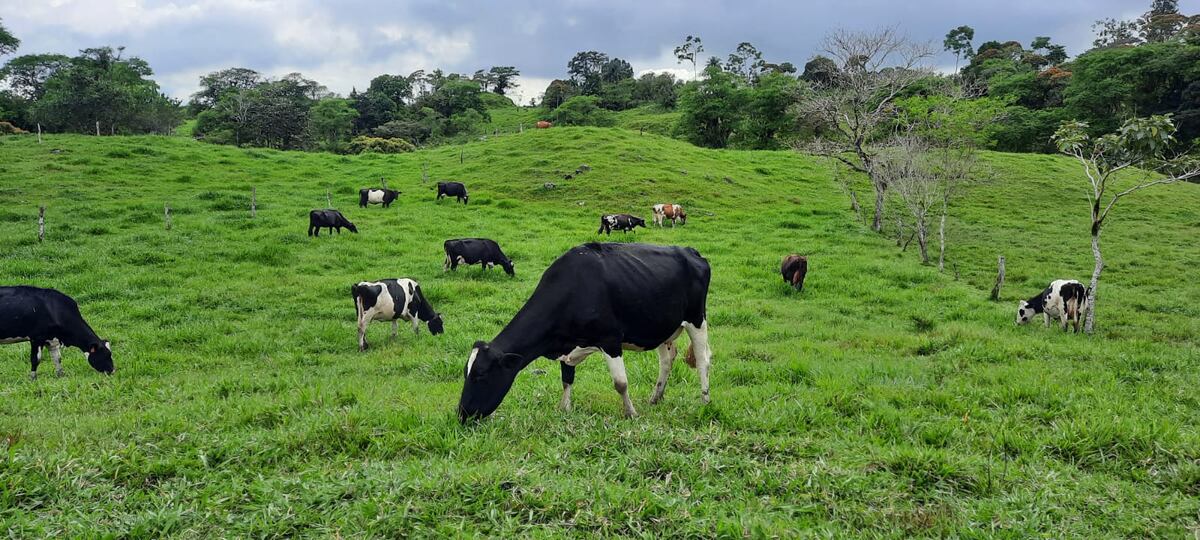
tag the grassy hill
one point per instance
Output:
(886, 400)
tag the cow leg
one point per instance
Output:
(56, 354)
(616, 368)
(568, 379)
(312, 229)
(395, 329)
(703, 354)
(666, 357)
(416, 323)
(362, 333)
(35, 357)
(1045, 320)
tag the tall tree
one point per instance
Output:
(215, 84)
(615, 71)
(821, 70)
(397, 88)
(689, 51)
(26, 75)
(504, 78)
(746, 61)
(1141, 144)
(585, 68)
(711, 107)
(330, 121)
(8, 42)
(958, 41)
(879, 67)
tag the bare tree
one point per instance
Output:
(905, 164)
(857, 101)
(1139, 146)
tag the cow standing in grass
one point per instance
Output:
(1064, 299)
(392, 300)
(673, 212)
(794, 269)
(452, 189)
(376, 196)
(50, 319)
(482, 251)
(602, 298)
(331, 219)
(619, 222)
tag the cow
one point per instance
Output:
(1064, 299)
(376, 196)
(331, 219)
(598, 298)
(50, 319)
(481, 251)
(674, 212)
(392, 300)
(620, 222)
(542, 124)
(452, 189)
(794, 268)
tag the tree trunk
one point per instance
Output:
(877, 224)
(1090, 321)
(942, 243)
(923, 240)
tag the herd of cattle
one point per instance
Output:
(592, 299)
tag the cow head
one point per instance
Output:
(682, 218)
(435, 324)
(352, 228)
(487, 378)
(509, 267)
(99, 355)
(637, 222)
(1024, 312)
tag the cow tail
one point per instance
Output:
(358, 307)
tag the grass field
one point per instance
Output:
(886, 400)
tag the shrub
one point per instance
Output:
(583, 111)
(379, 145)
(9, 129)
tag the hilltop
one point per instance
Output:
(887, 399)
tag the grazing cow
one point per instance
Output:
(598, 298)
(376, 196)
(392, 300)
(332, 219)
(794, 268)
(673, 212)
(48, 318)
(620, 222)
(542, 124)
(452, 189)
(481, 251)
(1064, 299)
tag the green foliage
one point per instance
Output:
(8, 42)
(378, 145)
(582, 111)
(768, 111)
(330, 120)
(947, 122)
(958, 41)
(711, 108)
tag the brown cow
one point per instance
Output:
(794, 268)
(674, 212)
(542, 124)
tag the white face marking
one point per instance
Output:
(471, 360)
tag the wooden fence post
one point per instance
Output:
(97, 128)
(328, 200)
(460, 154)
(253, 202)
(39, 133)
(41, 223)
(425, 171)
(999, 280)
(167, 215)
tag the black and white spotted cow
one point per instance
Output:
(602, 298)
(392, 300)
(50, 319)
(481, 251)
(1064, 299)
(619, 222)
(376, 196)
(331, 219)
(452, 189)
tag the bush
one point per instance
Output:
(9, 129)
(379, 145)
(583, 111)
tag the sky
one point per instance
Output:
(344, 44)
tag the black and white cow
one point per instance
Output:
(392, 300)
(452, 189)
(619, 222)
(376, 196)
(481, 251)
(598, 298)
(1064, 299)
(47, 318)
(331, 219)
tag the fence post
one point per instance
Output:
(41, 223)
(999, 280)
(328, 200)
(167, 215)
(97, 128)
(425, 172)
(461, 151)
(39, 133)
(253, 202)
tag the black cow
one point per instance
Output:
(402, 300)
(48, 318)
(794, 268)
(598, 298)
(619, 222)
(481, 251)
(317, 219)
(376, 196)
(452, 189)
(1064, 299)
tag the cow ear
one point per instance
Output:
(510, 361)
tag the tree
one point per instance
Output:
(745, 61)
(331, 121)
(661, 89)
(397, 88)
(689, 51)
(585, 68)
(101, 86)
(1115, 33)
(557, 93)
(904, 164)
(583, 111)
(503, 78)
(217, 83)
(821, 70)
(26, 75)
(1053, 54)
(768, 107)
(958, 41)
(711, 108)
(1162, 23)
(1140, 143)
(615, 71)
(879, 66)
(8, 42)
